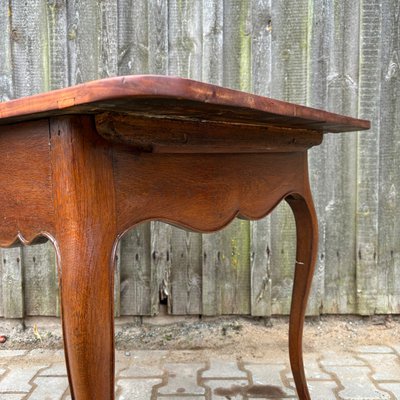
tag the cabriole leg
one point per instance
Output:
(85, 236)
(87, 315)
(307, 241)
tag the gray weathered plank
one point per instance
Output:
(6, 67)
(133, 50)
(57, 44)
(134, 260)
(12, 282)
(83, 40)
(340, 188)
(260, 231)
(317, 97)
(6, 92)
(160, 233)
(134, 254)
(368, 156)
(212, 70)
(226, 254)
(387, 275)
(30, 31)
(40, 280)
(185, 42)
(212, 66)
(289, 55)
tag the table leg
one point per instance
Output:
(85, 239)
(307, 242)
(87, 315)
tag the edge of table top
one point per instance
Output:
(174, 98)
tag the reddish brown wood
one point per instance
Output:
(184, 152)
(202, 192)
(164, 96)
(85, 234)
(25, 197)
(183, 136)
(306, 253)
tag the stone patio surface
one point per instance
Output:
(367, 373)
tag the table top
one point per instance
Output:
(172, 98)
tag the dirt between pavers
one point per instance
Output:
(241, 336)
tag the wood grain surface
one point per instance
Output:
(176, 98)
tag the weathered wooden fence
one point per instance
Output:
(340, 55)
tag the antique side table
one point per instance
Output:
(80, 166)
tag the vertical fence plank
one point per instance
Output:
(31, 53)
(368, 156)
(133, 51)
(212, 66)
(212, 70)
(6, 67)
(13, 296)
(226, 267)
(134, 260)
(289, 55)
(6, 93)
(83, 40)
(340, 188)
(134, 249)
(160, 232)
(185, 34)
(260, 231)
(57, 44)
(387, 276)
(318, 58)
(40, 281)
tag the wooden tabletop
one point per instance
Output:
(152, 96)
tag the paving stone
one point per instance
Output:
(269, 375)
(49, 388)
(224, 369)
(12, 396)
(396, 348)
(136, 389)
(57, 369)
(40, 353)
(12, 353)
(322, 390)
(333, 358)
(385, 365)
(374, 349)
(181, 398)
(227, 389)
(312, 368)
(393, 388)
(182, 379)
(356, 383)
(139, 355)
(17, 379)
(137, 371)
(2, 371)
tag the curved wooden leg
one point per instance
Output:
(85, 236)
(307, 242)
(87, 315)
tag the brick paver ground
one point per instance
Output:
(367, 372)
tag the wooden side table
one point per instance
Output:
(80, 166)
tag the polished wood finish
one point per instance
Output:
(105, 156)
(25, 199)
(85, 233)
